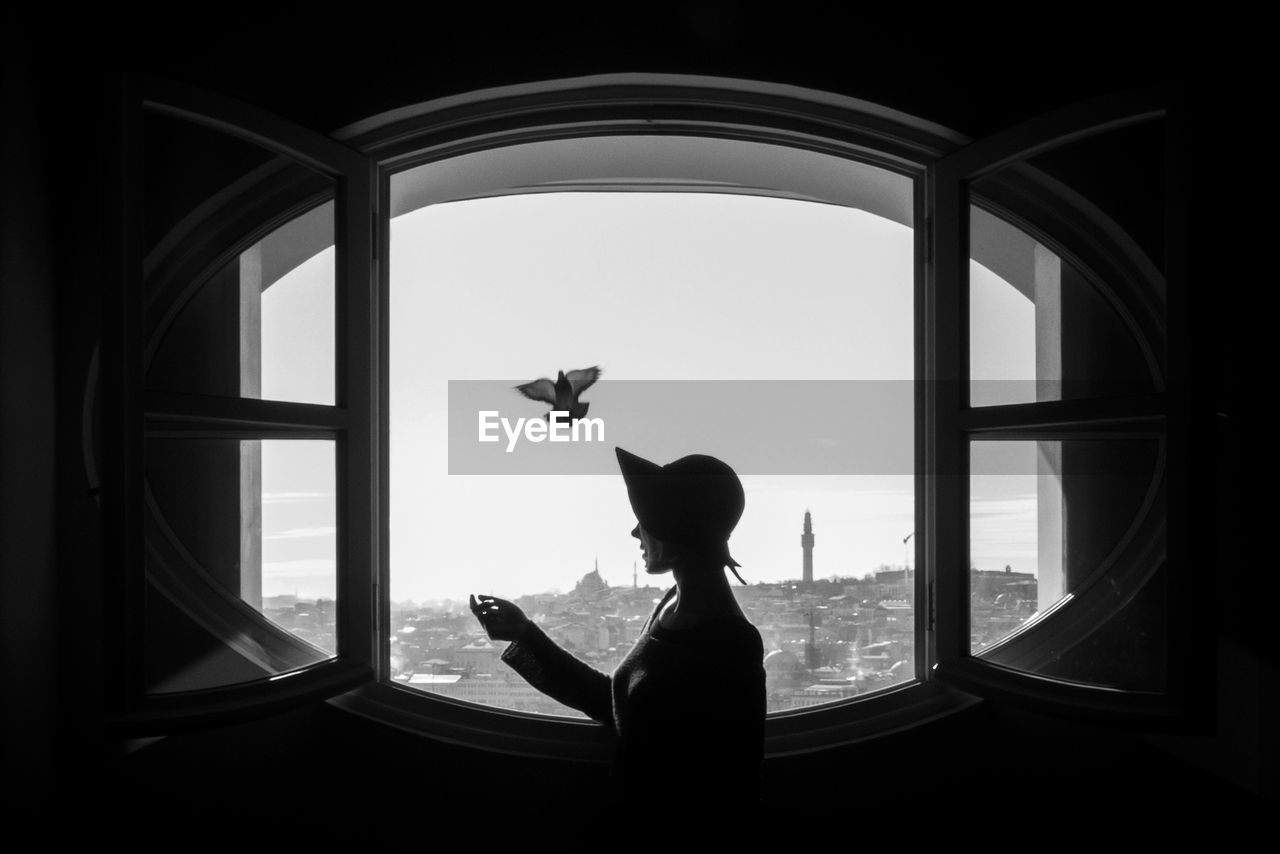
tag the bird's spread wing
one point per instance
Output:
(583, 379)
(543, 390)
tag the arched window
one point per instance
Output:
(1041, 454)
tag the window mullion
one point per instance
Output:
(246, 417)
(1124, 415)
(946, 369)
(357, 384)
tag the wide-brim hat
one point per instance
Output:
(695, 501)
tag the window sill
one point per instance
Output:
(788, 733)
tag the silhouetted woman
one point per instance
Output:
(688, 702)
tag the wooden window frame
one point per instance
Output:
(361, 159)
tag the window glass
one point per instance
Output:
(242, 558)
(1038, 329)
(761, 330)
(1065, 539)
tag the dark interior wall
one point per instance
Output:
(28, 584)
(982, 774)
(325, 72)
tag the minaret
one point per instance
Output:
(806, 542)
(634, 584)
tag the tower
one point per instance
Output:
(806, 542)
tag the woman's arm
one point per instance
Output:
(542, 663)
(561, 676)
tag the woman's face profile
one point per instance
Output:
(651, 549)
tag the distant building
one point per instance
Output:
(505, 693)
(806, 545)
(895, 584)
(987, 585)
(1000, 603)
(580, 636)
(591, 586)
(784, 673)
(478, 657)
(437, 682)
(816, 695)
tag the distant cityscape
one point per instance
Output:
(825, 639)
(313, 620)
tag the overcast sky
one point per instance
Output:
(650, 286)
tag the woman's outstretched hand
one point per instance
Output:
(500, 618)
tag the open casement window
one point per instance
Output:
(247, 504)
(1082, 211)
(241, 482)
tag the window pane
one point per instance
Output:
(1063, 306)
(242, 560)
(1066, 544)
(1038, 330)
(717, 293)
(251, 320)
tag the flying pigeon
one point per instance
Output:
(563, 393)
